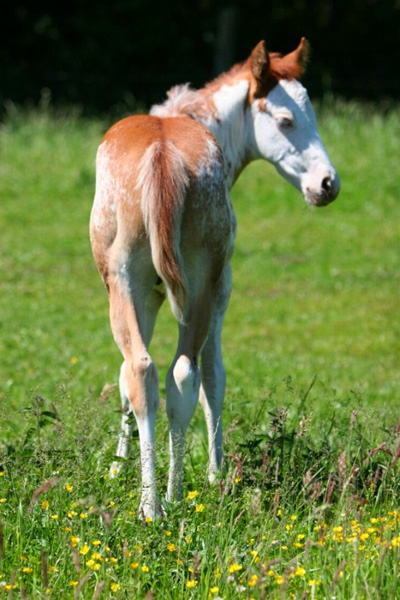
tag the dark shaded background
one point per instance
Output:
(123, 53)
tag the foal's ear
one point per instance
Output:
(259, 64)
(294, 64)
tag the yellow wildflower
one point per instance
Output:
(54, 517)
(97, 556)
(253, 581)
(234, 567)
(238, 479)
(300, 571)
(191, 583)
(69, 487)
(280, 579)
(337, 528)
(1, 473)
(148, 519)
(192, 495)
(171, 547)
(27, 570)
(293, 517)
(199, 507)
(74, 583)
(145, 569)
(84, 549)
(83, 515)
(115, 587)
(2, 500)
(45, 504)
(214, 590)
(74, 541)
(168, 533)
(96, 543)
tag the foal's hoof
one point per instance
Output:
(150, 511)
(115, 469)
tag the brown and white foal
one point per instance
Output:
(162, 224)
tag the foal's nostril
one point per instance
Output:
(327, 185)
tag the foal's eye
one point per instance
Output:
(285, 122)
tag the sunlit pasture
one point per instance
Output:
(308, 504)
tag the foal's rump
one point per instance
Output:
(160, 183)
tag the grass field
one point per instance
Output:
(309, 504)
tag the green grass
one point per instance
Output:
(311, 346)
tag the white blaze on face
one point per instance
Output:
(286, 134)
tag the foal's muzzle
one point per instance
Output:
(327, 191)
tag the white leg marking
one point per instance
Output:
(126, 426)
(211, 399)
(213, 375)
(149, 504)
(183, 381)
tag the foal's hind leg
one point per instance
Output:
(153, 303)
(132, 325)
(213, 375)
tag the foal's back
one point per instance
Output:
(160, 193)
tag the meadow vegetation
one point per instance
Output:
(308, 506)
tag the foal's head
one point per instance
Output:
(284, 125)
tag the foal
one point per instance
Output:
(162, 224)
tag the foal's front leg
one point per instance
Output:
(183, 382)
(126, 425)
(213, 375)
(182, 387)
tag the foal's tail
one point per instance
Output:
(163, 180)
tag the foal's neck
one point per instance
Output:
(229, 120)
(222, 107)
